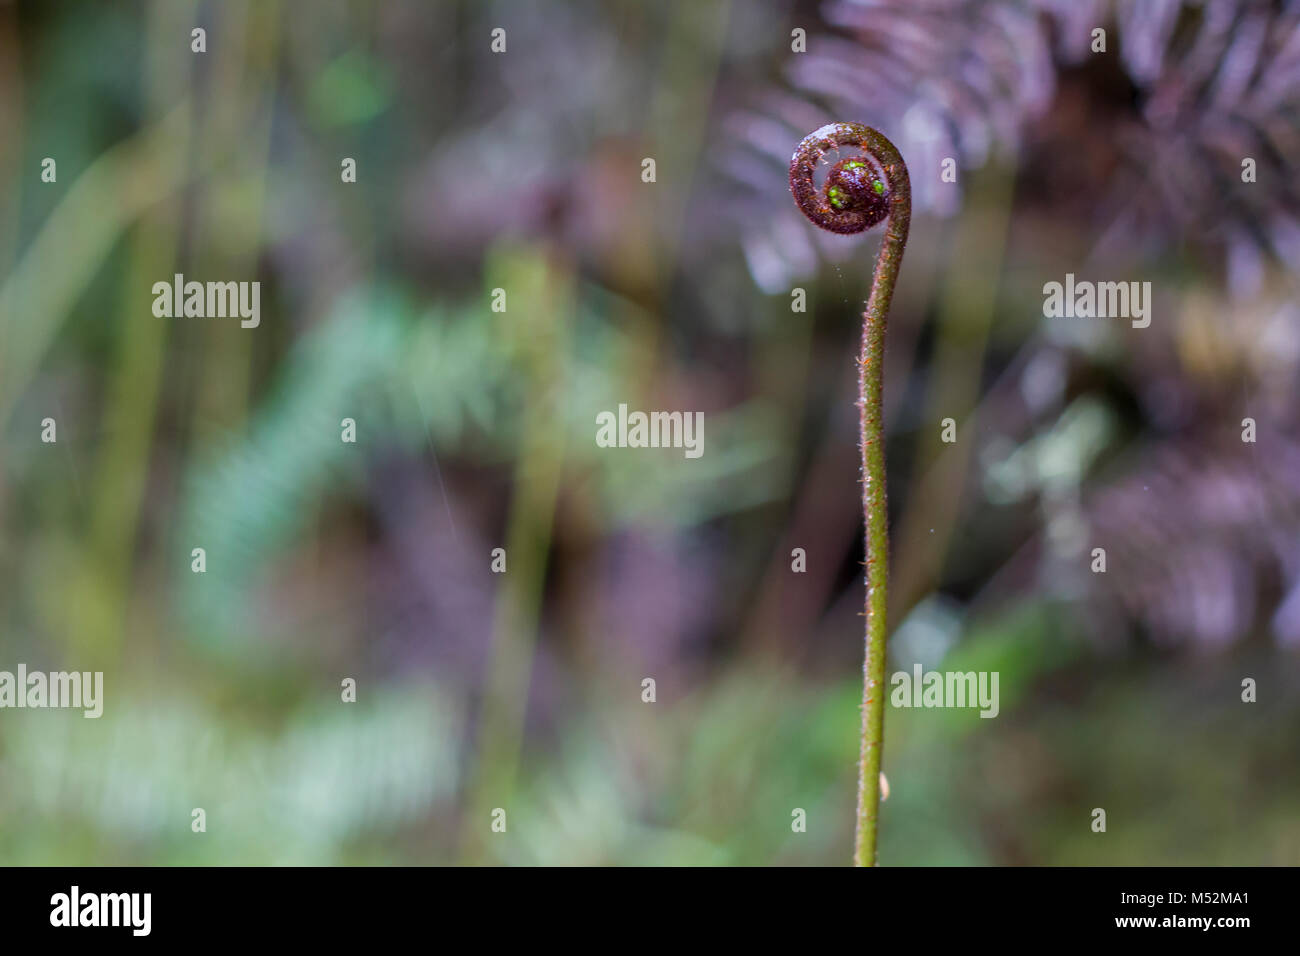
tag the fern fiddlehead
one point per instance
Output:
(858, 193)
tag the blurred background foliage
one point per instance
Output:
(475, 428)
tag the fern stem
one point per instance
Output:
(852, 199)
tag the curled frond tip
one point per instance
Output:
(859, 191)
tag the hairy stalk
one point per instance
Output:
(858, 193)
